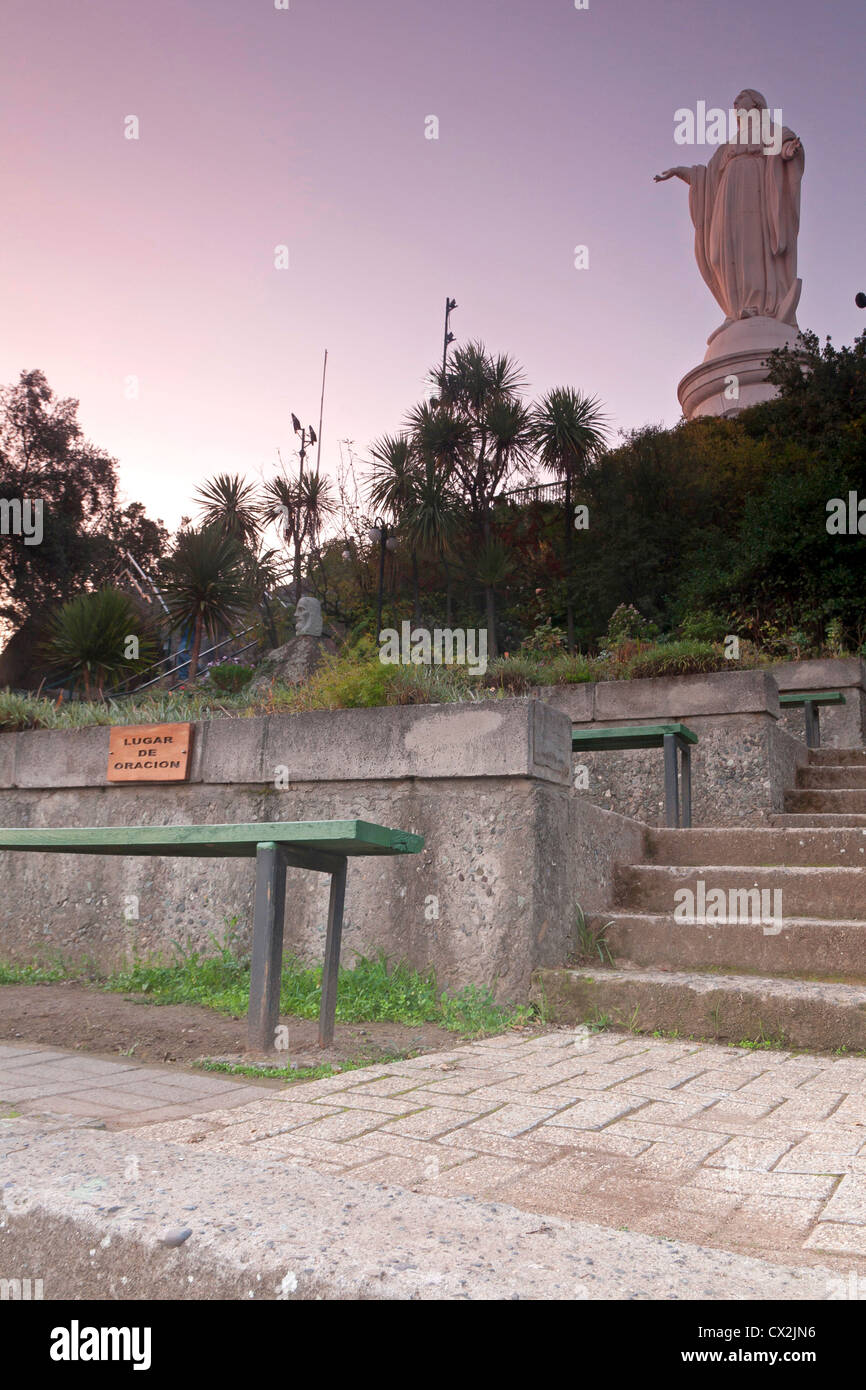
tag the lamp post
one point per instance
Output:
(378, 533)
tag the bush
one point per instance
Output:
(230, 677)
(544, 642)
(627, 624)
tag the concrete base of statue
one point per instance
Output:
(294, 662)
(733, 374)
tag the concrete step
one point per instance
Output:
(815, 820)
(843, 846)
(730, 1008)
(837, 757)
(804, 891)
(833, 802)
(832, 778)
(804, 946)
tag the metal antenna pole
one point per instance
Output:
(321, 411)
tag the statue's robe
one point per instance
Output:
(745, 206)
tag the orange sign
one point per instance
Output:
(149, 753)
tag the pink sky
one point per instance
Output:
(258, 126)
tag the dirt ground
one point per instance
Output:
(71, 1015)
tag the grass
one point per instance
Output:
(356, 679)
(373, 990)
(12, 973)
(591, 941)
(320, 1073)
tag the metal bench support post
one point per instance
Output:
(267, 961)
(331, 966)
(813, 725)
(672, 797)
(686, 785)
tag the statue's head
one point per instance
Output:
(750, 100)
(308, 617)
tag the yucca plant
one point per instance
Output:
(229, 504)
(205, 585)
(569, 430)
(97, 639)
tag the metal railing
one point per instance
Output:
(537, 492)
(180, 660)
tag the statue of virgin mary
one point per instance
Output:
(745, 206)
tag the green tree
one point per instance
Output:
(392, 489)
(482, 412)
(45, 458)
(205, 585)
(229, 503)
(568, 430)
(97, 639)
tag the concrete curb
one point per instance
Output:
(275, 1230)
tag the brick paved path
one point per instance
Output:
(762, 1152)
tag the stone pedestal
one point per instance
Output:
(294, 662)
(733, 374)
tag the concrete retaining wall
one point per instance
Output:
(741, 765)
(491, 897)
(842, 726)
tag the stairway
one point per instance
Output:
(830, 791)
(796, 980)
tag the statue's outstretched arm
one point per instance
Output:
(680, 172)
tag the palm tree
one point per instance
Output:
(479, 402)
(298, 507)
(88, 640)
(392, 489)
(205, 586)
(568, 429)
(229, 503)
(432, 519)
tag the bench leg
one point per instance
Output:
(328, 1007)
(813, 726)
(267, 961)
(686, 783)
(672, 798)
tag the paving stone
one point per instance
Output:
(848, 1202)
(671, 1160)
(385, 1086)
(595, 1114)
(513, 1120)
(482, 1176)
(347, 1124)
(758, 1220)
(750, 1154)
(530, 1148)
(775, 1184)
(843, 1239)
(587, 1141)
(381, 1105)
(425, 1124)
(670, 1112)
(462, 1083)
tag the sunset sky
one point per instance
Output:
(154, 258)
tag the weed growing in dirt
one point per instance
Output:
(372, 990)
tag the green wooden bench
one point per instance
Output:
(811, 702)
(324, 846)
(670, 737)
